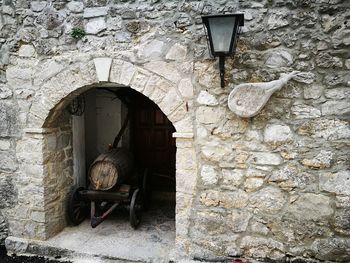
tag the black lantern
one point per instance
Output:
(222, 34)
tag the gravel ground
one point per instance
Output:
(23, 259)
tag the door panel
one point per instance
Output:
(152, 142)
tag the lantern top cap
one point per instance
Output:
(239, 16)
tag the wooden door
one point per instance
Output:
(152, 143)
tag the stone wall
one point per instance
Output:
(273, 186)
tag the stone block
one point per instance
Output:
(341, 221)
(16, 245)
(336, 78)
(265, 158)
(186, 88)
(252, 184)
(51, 19)
(123, 37)
(278, 134)
(38, 216)
(8, 192)
(303, 111)
(5, 144)
(115, 71)
(185, 159)
(325, 60)
(305, 77)
(279, 58)
(209, 175)
(209, 115)
(95, 12)
(75, 6)
(347, 63)
(184, 140)
(9, 125)
(18, 76)
(5, 92)
(184, 202)
(341, 38)
(268, 200)
(260, 247)
(151, 85)
(259, 228)
(186, 181)
(238, 221)
(291, 177)
(205, 98)
(103, 67)
(164, 69)
(127, 72)
(25, 149)
(337, 93)
(47, 70)
(37, 6)
(63, 140)
(228, 200)
(26, 51)
(217, 152)
(177, 52)
(322, 160)
(232, 178)
(140, 80)
(277, 20)
(3, 229)
(337, 182)
(342, 201)
(8, 162)
(331, 248)
(310, 206)
(335, 107)
(184, 126)
(95, 26)
(329, 129)
(151, 50)
(170, 102)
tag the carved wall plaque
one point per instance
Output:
(247, 99)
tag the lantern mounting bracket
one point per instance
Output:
(222, 70)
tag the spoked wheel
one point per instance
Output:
(135, 209)
(77, 208)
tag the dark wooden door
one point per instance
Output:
(153, 145)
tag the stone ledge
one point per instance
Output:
(185, 135)
(40, 130)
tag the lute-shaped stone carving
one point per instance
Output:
(247, 99)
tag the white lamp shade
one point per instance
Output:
(222, 31)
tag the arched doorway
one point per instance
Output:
(45, 150)
(107, 110)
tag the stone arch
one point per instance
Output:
(56, 92)
(41, 138)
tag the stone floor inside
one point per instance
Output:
(114, 238)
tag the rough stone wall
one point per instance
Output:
(275, 185)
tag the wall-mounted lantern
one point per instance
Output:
(222, 35)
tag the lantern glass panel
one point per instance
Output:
(221, 29)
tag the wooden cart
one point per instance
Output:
(113, 182)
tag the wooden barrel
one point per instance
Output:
(111, 169)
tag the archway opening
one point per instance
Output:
(110, 116)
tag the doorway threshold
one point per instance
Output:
(114, 239)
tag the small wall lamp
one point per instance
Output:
(222, 34)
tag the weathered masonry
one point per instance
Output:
(273, 186)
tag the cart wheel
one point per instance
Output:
(146, 190)
(135, 209)
(77, 208)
